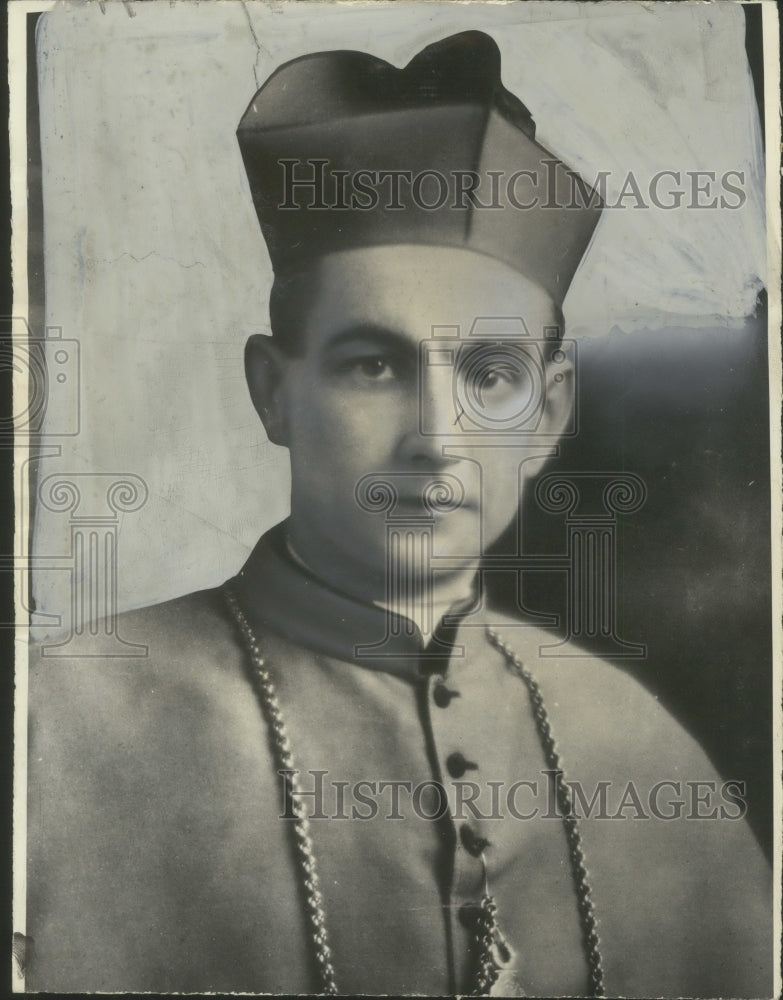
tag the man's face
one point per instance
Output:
(357, 401)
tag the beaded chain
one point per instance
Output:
(305, 853)
(488, 939)
(267, 696)
(590, 937)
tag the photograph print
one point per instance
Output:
(395, 430)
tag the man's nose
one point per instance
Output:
(435, 422)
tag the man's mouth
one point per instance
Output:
(424, 495)
(435, 505)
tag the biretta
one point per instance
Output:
(344, 150)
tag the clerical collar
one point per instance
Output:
(438, 607)
(281, 594)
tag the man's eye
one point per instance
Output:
(499, 376)
(375, 368)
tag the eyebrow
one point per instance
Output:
(383, 336)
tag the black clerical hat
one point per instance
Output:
(343, 150)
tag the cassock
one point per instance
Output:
(162, 855)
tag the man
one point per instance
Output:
(342, 772)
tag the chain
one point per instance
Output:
(490, 945)
(587, 917)
(267, 696)
(316, 912)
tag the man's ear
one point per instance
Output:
(265, 365)
(558, 403)
(559, 400)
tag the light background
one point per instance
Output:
(155, 263)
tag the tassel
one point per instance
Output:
(495, 973)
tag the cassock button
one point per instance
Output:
(456, 765)
(442, 695)
(472, 842)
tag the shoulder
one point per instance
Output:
(145, 773)
(178, 669)
(599, 703)
(656, 816)
(160, 639)
(184, 622)
(127, 735)
(611, 726)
